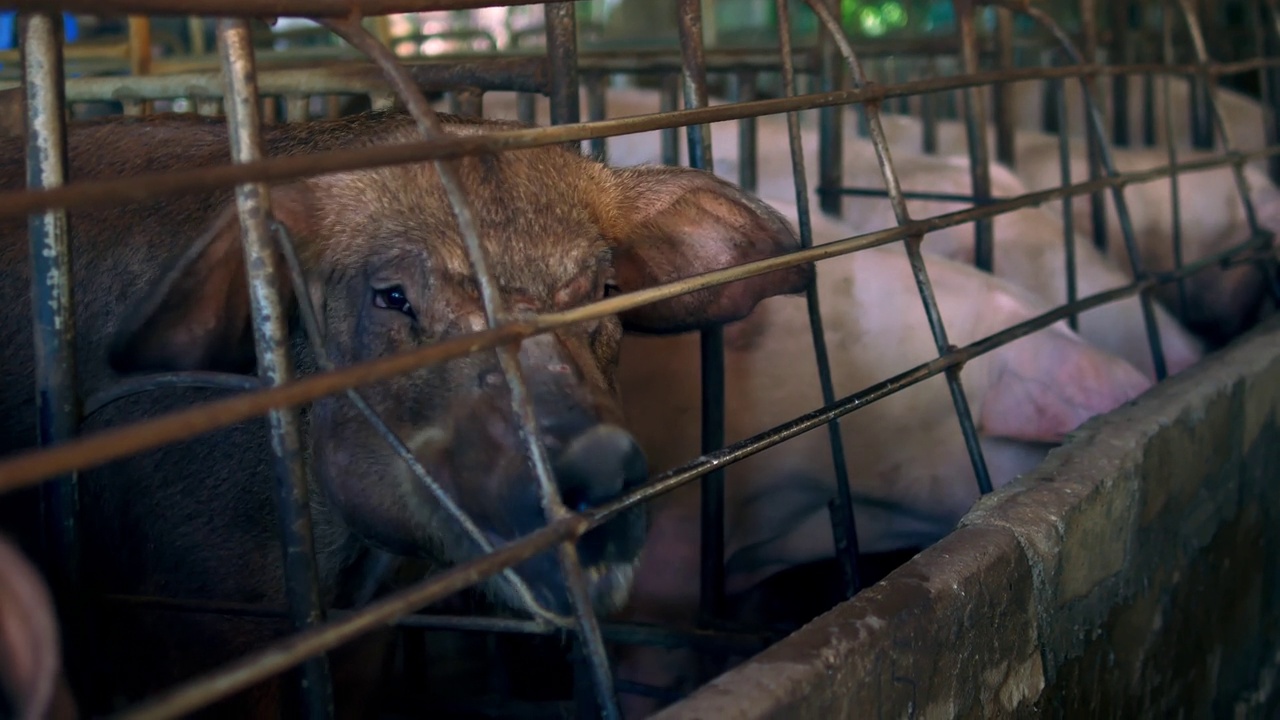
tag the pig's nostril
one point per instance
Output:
(598, 465)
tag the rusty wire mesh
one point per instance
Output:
(556, 73)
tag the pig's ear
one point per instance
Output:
(198, 316)
(1045, 385)
(669, 223)
(30, 660)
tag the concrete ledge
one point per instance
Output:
(1133, 574)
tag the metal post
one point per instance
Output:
(1089, 51)
(1006, 145)
(271, 340)
(562, 53)
(1121, 53)
(712, 345)
(976, 130)
(830, 125)
(1201, 120)
(57, 407)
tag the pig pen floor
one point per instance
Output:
(470, 676)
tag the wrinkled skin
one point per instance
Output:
(162, 286)
(32, 686)
(909, 472)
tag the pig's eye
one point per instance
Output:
(393, 298)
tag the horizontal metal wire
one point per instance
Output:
(141, 188)
(261, 8)
(88, 451)
(630, 633)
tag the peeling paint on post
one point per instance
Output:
(274, 366)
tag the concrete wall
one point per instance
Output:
(1135, 574)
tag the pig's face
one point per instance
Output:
(388, 273)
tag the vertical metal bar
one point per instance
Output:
(467, 102)
(1201, 122)
(843, 529)
(1172, 149)
(527, 108)
(670, 137)
(1097, 201)
(1121, 52)
(914, 254)
(929, 123)
(562, 53)
(744, 90)
(1006, 140)
(274, 366)
(975, 124)
(1272, 84)
(53, 319)
(1056, 88)
(1051, 121)
(712, 342)
(297, 108)
(596, 83)
(1148, 109)
(830, 126)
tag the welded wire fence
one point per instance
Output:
(835, 67)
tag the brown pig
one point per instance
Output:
(161, 286)
(909, 472)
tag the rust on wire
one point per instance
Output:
(141, 188)
(28, 467)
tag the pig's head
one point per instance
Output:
(387, 273)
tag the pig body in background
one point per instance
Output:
(161, 286)
(1243, 115)
(1028, 242)
(910, 474)
(1221, 303)
(32, 686)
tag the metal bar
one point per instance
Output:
(901, 214)
(562, 59)
(975, 125)
(920, 195)
(1271, 86)
(1006, 127)
(628, 633)
(151, 186)
(271, 341)
(1120, 53)
(467, 102)
(830, 127)
(596, 84)
(694, 75)
(668, 102)
(25, 468)
(843, 527)
(1149, 109)
(1201, 124)
(1171, 147)
(1089, 51)
(1058, 90)
(259, 8)
(53, 324)
(744, 90)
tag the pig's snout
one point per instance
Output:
(598, 466)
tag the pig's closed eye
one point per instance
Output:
(393, 298)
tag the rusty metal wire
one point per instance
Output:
(26, 468)
(564, 527)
